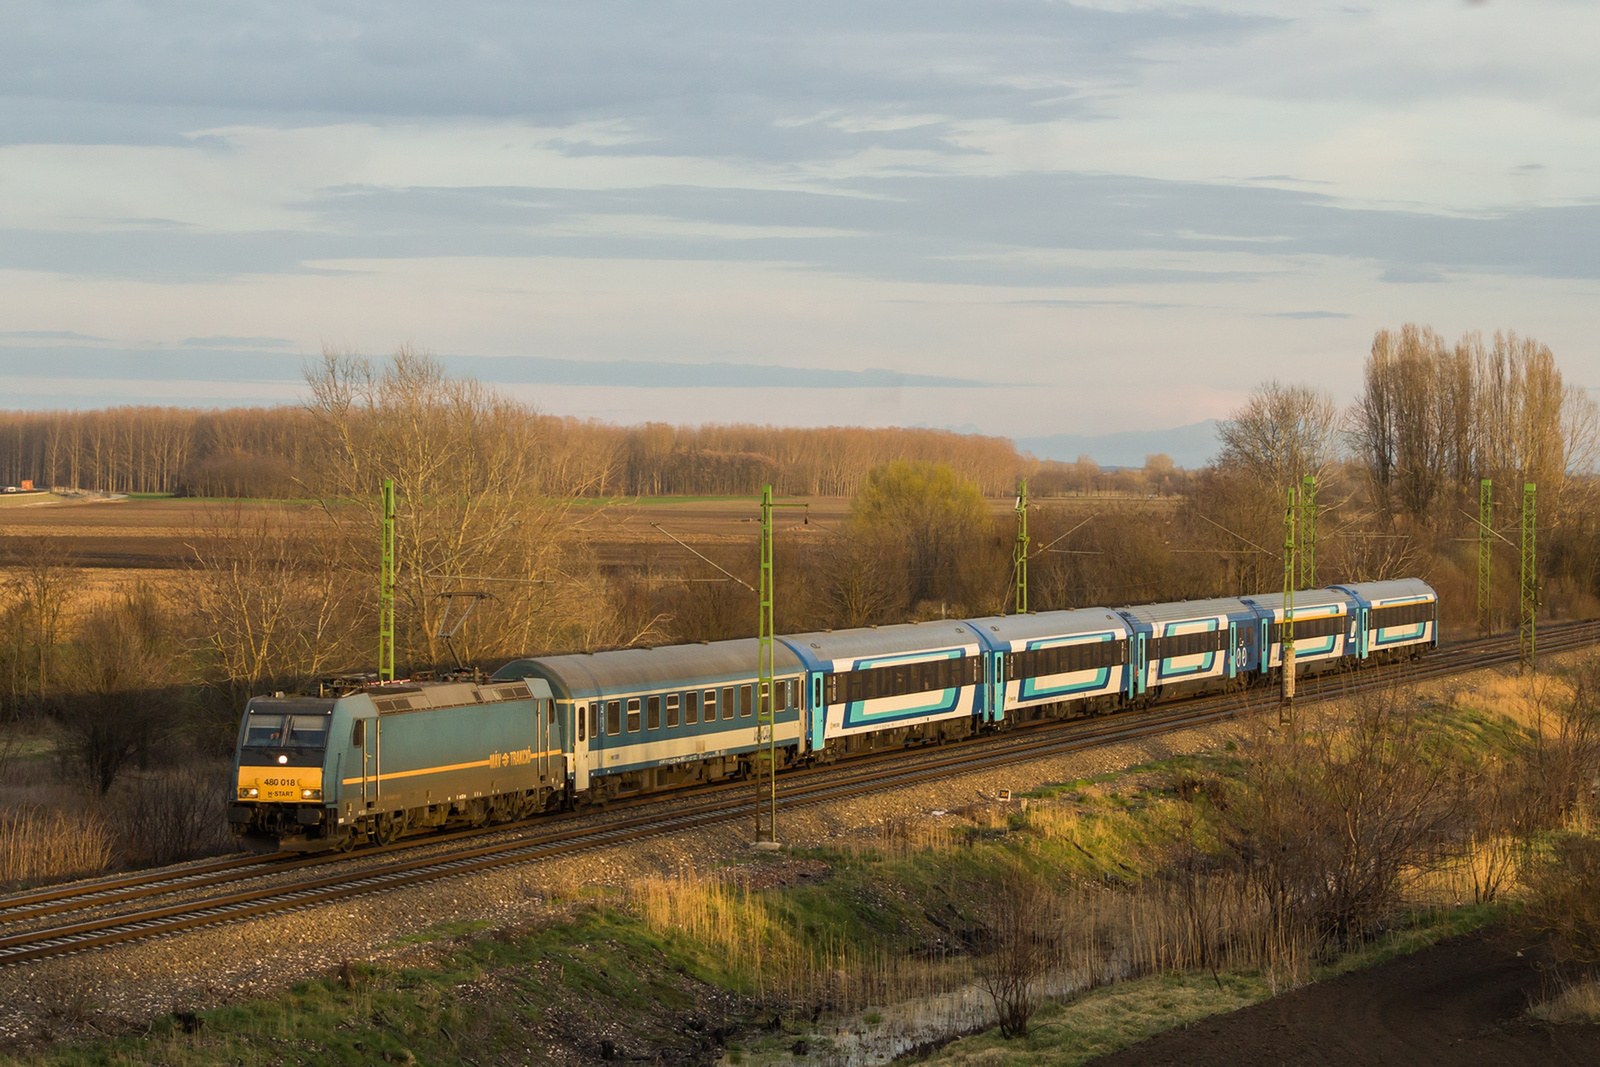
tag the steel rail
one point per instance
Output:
(124, 888)
(855, 780)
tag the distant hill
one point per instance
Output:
(1189, 446)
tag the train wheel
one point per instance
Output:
(347, 843)
(387, 829)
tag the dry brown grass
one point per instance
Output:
(52, 846)
(1576, 1004)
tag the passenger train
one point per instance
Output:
(552, 732)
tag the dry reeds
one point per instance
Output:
(783, 964)
(51, 846)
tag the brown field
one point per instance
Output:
(152, 534)
(118, 542)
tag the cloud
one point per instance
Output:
(1309, 315)
(1410, 276)
(218, 358)
(1060, 190)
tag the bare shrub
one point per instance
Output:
(51, 846)
(1018, 954)
(1559, 763)
(173, 814)
(1564, 903)
(1331, 820)
(121, 699)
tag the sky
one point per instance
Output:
(1020, 218)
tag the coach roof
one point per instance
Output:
(1003, 629)
(1395, 589)
(1183, 610)
(640, 670)
(837, 645)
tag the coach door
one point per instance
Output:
(997, 686)
(581, 721)
(1235, 650)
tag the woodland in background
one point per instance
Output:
(492, 495)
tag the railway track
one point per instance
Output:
(552, 838)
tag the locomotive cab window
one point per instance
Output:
(691, 708)
(633, 715)
(358, 733)
(672, 710)
(265, 730)
(652, 719)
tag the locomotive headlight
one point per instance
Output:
(254, 791)
(310, 794)
(283, 759)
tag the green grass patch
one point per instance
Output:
(1115, 1016)
(1107, 1019)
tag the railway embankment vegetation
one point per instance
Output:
(1050, 928)
(119, 707)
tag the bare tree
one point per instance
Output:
(480, 509)
(276, 602)
(1282, 433)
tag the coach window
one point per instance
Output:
(711, 705)
(633, 715)
(652, 706)
(583, 714)
(727, 703)
(672, 710)
(744, 700)
(614, 717)
(691, 707)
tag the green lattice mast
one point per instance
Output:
(1530, 578)
(386, 588)
(1019, 554)
(766, 757)
(1485, 555)
(1308, 532)
(1289, 514)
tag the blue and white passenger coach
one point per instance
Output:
(889, 685)
(1327, 628)
(1064, 661)
(1396, 618)
(640, 719)
(1189, 646)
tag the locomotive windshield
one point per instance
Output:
(291, 724)
(286, 731)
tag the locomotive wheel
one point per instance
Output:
(386, 829)
(347, 843)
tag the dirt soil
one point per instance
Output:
(1463, 1001)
